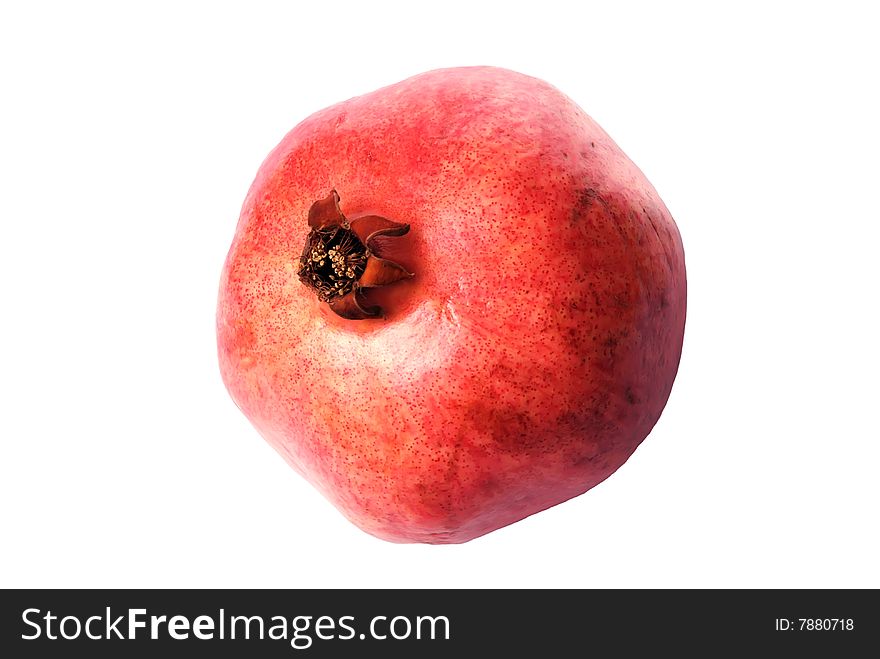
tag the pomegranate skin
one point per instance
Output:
(530, 355)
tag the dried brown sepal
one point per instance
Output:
(381, 272)
(353, 307)
(339, 259)
(370, 226)
(326, 212)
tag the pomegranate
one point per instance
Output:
(452, 303)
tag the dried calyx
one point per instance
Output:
(339, 260)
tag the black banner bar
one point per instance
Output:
(435, 623)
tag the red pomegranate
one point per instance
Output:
(452, 303)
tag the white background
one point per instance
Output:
(128, 138)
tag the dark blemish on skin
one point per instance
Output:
(630, 396)
(586, 197)
(573, 339)
(620, 300)
(593, 144)
(582, 461)
(653, 225)
(511, 432)
(666, 251)
(585, 200)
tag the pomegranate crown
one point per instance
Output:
(339, 261)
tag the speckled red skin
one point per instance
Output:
(534, 349)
